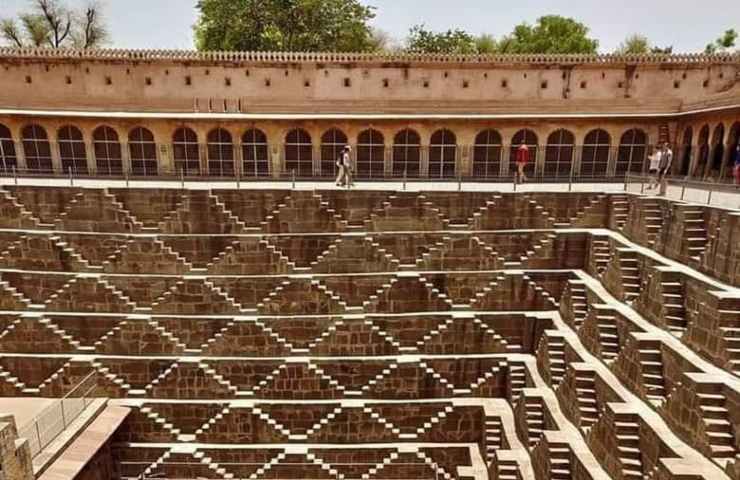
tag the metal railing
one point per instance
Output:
(722, 192)
(312, 160)
(55, 418)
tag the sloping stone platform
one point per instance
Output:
(382, 335)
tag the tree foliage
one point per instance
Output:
(551, 34)
(284, 25)
(422, 40)
(724, 43)
(52, 24)
(637, 44)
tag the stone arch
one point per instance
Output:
(370, 154)
(487, 154)
(72, 151)
(107, 149)
(733, 141)
(559, 154)
(703, 152)
(595, 156)
(442, 154)
(632, 152)
(255, 153)
(686, 150)
(407, 154)
(299, 152)
(220, 149)
(142, 151)
(8, 157)
(332, 143)
(717, 150)
(186, 151)
(529, 138)
(37, 149)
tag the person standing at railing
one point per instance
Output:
(666, 161)
(653, 168)
(522, 159)
(736, 153)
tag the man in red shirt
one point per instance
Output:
(522, 158)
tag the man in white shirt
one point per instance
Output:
(666, 161)
(344, 166)
(653, 168)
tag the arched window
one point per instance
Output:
(686, 153)
(406, 154)
(595, 157)
(632, 152)
(299, 153)
(143, 152)
(732, 142)
(8, 159)
(529, 138)
(220, 153)
(487, 154)
(186, 151)
(718, 149)
(255, 154)
(442, 154)
(559, 154)
(332, 143)
(703, 145)
(37, 149)
(107, 148)
(370, 154)
(72, 150)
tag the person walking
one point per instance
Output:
(736, 169)
(344, 166)
(653, 168)
(341, 168)
(666, 161)
(522, 159)
(348, 167)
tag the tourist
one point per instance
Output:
(341, 169)
(522, 158)
(666, 161)
(345, 169)
(736, 153)
(653, 168)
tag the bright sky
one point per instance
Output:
(688, 25)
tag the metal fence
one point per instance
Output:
(722, 193)
(306, 161)
(55, 418)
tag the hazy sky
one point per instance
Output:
(688, 25)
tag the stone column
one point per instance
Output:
(277, 155)
(424, 161)
(90, 158)
(125, 157)
(20, 156)
(56, 157)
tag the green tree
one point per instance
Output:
(551, 34)
(724, 43)
(422, 40)
(486, 44)
(51, 23)
(284, 25)
(634, 45)
(637, 44)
